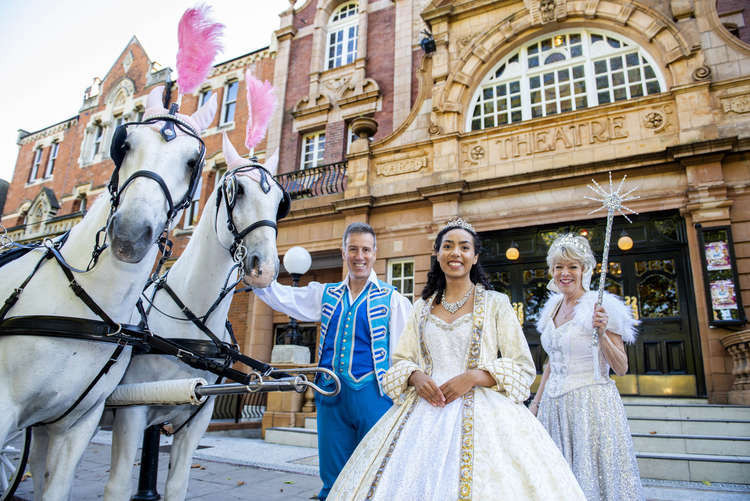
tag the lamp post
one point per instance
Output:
(297, 262)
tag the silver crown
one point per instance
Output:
(572, 240)
(457, 222)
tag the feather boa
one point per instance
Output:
(260, 104)
(199, 40)
(620, 316)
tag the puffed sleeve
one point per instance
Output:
(514, 371)
(405, 358)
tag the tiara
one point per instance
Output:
(571, 240)
(457, 222)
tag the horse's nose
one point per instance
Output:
(130, 238)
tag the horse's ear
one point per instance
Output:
(205, 114)
(154, 100)
(272, 163)
(230, 154)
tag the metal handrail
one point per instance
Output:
(316, 181)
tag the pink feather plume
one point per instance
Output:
(199, 40)
(260, 104)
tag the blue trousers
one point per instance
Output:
(343, 421)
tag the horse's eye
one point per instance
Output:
(192, 163)
(240, 189)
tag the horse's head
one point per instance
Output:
(249, 202)
(158, 165)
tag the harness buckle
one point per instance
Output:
(119, 330)
(183, 353)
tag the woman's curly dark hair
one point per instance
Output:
(436, 277)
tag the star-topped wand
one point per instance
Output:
(613, 202)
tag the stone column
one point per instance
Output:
(738, 346)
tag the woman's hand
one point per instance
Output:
(534, 407)
(426, 388)
(600, 319)
(458, 386)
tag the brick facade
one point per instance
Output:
(688, 146)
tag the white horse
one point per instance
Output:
(42, 377)
(197, 278)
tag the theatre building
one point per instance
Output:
(405, 113)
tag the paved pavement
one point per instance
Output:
(228, 468)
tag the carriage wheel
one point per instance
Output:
(13, 456)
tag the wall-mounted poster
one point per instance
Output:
(717, 256)
(722, 295)
(720, 276)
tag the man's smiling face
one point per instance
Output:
(359, 255)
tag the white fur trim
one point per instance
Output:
(620, 316)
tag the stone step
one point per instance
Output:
(691, 444)
(311, 423)
(694, 467)
(680, 426)
(299, 437)
(688, 411)
(664, 400)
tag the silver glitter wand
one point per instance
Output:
(613, 202)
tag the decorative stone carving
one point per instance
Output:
(702, 73)
(653, 120)
(477, 153)
(681, 9)
(737, 104)
(364, 127)
(128, 60)
(738, 346)
(547, 10)
(394, 168)
(338, 85)
(434, 129)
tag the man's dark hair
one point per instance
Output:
(358, 228)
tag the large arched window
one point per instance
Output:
(566, 71)
(342, 29)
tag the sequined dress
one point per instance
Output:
(583, 415)
(483, 446)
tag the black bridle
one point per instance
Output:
(228, 193)
(120, 147)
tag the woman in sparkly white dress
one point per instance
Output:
(458, 428)
(582, 411)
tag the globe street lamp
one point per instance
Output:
(297, 262)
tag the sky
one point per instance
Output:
(51, 51)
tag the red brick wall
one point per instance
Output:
(297, 87)
(380, 42)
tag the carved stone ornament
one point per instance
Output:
(547, 10)
(737, 104)
(702, 73)
(434, 129)
(654, 120)
(401, 166)
(338, 84)
(477, 153)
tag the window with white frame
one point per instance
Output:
(51, 160)
(230, 102)
(203, 97)
(35, 165)
(401, 276)
(98, 133)
(313, 147)
(350, 138)
(342, 30)
(566, 71)
(191, 214)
